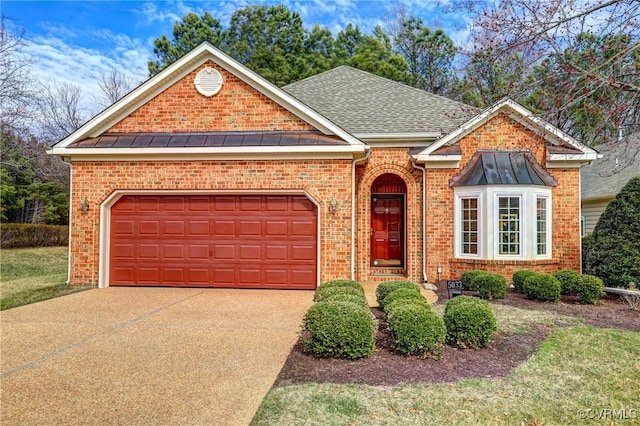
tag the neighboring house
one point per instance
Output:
(604, 178)
(209, 175)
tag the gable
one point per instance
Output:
(170, 103)
(237, 107)
(508, 125)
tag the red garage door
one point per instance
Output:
(245, 241)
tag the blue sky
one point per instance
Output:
(72, 41)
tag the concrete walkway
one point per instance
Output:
(143, 356)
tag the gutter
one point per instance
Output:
(425, 282)
(353, 211)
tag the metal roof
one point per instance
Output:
(503, 168)
(207, 139)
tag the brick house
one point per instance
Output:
(208, 175)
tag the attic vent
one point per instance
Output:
(208, 82)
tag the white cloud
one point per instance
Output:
(55, 58)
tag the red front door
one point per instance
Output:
(387, 230)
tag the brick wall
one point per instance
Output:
(501, 132)
(237, 107)
(322, 179)
(396, 161)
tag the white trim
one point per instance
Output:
(452, 162)
(417, 137)
(105, 219)
(488, 206)
(457, 228)
(240, 153)
(187, 63)
(517, 112)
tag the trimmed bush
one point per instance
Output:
(519, 277)
(490, 286)
(569, 281)
(416, 329)
(590, 289)
(346, 297)
(544, 287)
(387, 287)
(339, 330)
(469, 322)
(400, 302)
(401, 293)
(467, 279)
(341, 283)
(612, 253)
(21, 235)
(325, 293)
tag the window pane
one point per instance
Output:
(541, 225)
(469, 226)
(509, 225)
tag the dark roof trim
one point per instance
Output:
(503, 168)
(206, 139)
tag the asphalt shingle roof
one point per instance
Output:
(361, 102)
(606, 176)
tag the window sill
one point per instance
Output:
(521, 262)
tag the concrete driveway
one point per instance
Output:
(141, 356)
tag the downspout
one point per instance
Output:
(425, 282)
(353, 211)
(70, 218)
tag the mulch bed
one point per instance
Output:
(387, 368)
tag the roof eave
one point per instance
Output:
(555, 161)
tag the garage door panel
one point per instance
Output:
(223, 252)
(123, 251)
(198, 227)
(249, 228)
(149, 228)
(173, 251)
(214, 241)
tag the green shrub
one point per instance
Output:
(401, 293)
(490, 286)
(544, 287)
(467, 279)
(341, 296)
(341, 283)
(569, 281)
(469, 322)
(519, 277)
(416, 329)
(21, 235)
(590, 289)
(339, 330)
(324, 293)
(387, 287)
(401, 302)
(612, 253)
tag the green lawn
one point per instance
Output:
(579, 375)
(32, 275)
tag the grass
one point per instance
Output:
(34, 274)
(577, 374)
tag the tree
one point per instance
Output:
(543, 27)
(34, 186)
(591, 109)
(373, 53)
(429, 55)
(267, 39)
(114, 85)
(490, 76)
(16, 91)
(187, 34)
(59, 109)
(613, 251)
(319, 52)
